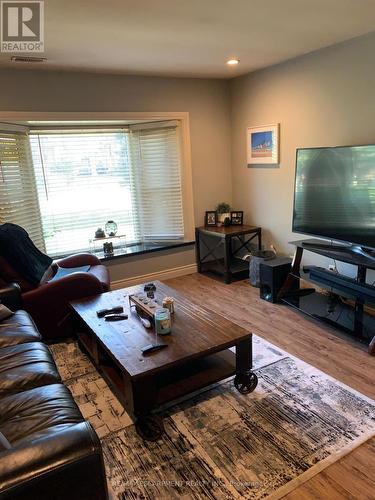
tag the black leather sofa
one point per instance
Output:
(47, 449)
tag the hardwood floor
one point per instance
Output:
(353, 476)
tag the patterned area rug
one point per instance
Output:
(221, 444)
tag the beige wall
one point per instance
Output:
(322, 99)
(207, 102)
(130, 267)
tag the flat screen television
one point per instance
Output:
(334, 194)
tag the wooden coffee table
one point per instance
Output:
(197, 355)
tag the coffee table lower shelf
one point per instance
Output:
(143, 396)
(170, 383)
(174, 383)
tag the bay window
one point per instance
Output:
(73, 181)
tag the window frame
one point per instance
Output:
(57, 118)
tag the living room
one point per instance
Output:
(115, 87)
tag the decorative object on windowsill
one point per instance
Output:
(118, 245)
(210, 218)
(223, 210)
(168, 303)
(263, 146)
(108, 248)
(162, 321)
(111, 228)
(99, 233)
(236, 218)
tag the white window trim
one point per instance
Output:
(182, 116)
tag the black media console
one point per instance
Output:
(343, 302)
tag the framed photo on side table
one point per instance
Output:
(236, 218)
(263, 145)
(210, 218)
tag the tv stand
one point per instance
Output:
(323, 245)
(313, 245)
(348, 313)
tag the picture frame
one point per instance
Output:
(236, 218)
(262, 144)
(210, 219)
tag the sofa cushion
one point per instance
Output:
(26, 366)
(37, 413)
(18, 329)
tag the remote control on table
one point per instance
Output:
(115, 317)
(113, 310)
(152, 347)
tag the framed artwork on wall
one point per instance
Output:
(263, 145)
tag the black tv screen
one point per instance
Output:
(334, 193)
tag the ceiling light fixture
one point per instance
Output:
(233, 62)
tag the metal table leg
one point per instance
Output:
(245, 380)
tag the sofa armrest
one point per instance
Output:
(67, 464)
(78, 260)
(71, 287)
(10, 296)
(49, 305)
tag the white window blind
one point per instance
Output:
(83, 180)
(87, 177)
(18, 196)
(156, 159)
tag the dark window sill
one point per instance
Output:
(143, 248)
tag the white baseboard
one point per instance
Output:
(161, 275)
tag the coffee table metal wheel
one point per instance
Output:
(150, 427)
(245, 382)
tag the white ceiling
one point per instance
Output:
(193, 37)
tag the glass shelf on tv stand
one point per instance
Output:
(344, 254)
(333, 303)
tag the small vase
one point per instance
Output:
(111, 228)
(222, 217)
(99, 233)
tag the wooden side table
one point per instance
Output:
(217, 252)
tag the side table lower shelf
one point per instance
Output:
(238, 268)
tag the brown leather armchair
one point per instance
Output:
(48, 302)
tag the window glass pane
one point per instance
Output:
(83, 180)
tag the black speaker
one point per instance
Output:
(273, 274)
